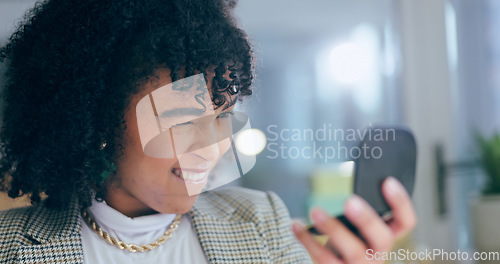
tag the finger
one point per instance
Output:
(404, 217)
(374, 230)
(320, 254)
(350, 247)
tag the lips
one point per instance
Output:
(194, 176)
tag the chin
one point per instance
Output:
(180, 205)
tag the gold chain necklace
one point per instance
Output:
(132, 247)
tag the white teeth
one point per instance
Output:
(189, 175)
(193, 176)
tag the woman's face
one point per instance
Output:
(146, 185)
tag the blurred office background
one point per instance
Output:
(432, 65)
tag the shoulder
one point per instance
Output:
(36, 224)
(40, 221)
(14, 220)
(247, 202)
(241, 195)
(13, 223)
(270, 216)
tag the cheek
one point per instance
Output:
(224, 146)
(148, 179)
(151, 168)
(134, 160)
(140, 169)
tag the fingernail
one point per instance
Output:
(319, 216)
(297, 227)
(354, 205)
(394, 186)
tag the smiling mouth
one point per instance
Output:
(191, 176)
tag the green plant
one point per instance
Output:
(489, 148)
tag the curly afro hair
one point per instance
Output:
(72, 67)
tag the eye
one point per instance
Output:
(183, 124)
(225, 114)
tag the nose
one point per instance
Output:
(208, 153)
(207, 145)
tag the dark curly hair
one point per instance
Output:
(72, 67)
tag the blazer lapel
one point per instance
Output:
(224, 236)
(55, 236)
(67, 250)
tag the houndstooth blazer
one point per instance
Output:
(234, 225)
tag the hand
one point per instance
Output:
(379, 235)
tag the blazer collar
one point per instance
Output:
(223, 234)
(213, 205)
(55, 236)
(46, 224)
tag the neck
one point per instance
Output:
(126, 204)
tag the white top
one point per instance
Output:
(182, 247)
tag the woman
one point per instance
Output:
(78, 73)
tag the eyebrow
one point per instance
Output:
(182, 112)
(192, 111)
